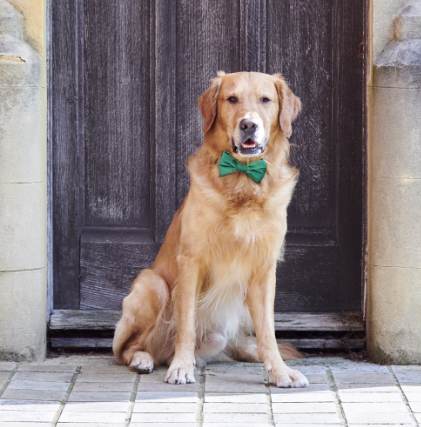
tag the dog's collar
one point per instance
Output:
(255, 170)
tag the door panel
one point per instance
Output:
(125, 81)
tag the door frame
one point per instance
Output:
(364, 50)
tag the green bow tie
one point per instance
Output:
(255, 170)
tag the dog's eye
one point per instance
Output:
(232, 100)
(265, 100)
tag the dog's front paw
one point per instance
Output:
(282, 377)
(180, 374)
(142, 362)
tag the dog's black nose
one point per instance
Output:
(248, 125)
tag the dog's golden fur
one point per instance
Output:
(212, 284)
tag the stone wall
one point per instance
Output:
(23, 199)
(394, 285)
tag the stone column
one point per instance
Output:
(394, 285)
(23, 202)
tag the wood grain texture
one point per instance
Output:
(300, 46)
(287, 322)
(310, 343)
(117, 113)
(125, 84)
(65, 88)
(208, 40)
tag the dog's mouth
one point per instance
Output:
(247, 148)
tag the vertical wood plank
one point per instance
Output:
(117, 107)
(208, 40)
(253, 35)
(164, 126)
(66, 166)
(300, 47)
(349, 32)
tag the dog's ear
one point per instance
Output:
(289, 105)
(207, 102)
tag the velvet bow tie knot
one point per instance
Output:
(255, 170)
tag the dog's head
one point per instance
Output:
(245, 109)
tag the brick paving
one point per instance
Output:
(92, 391)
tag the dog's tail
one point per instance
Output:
(289, 352)
(122, 335)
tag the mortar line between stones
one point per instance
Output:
(6, 384)
(201, 396)
(268, 398)
(403, 396)
(66, 397)
(132, 400)
(334, 389)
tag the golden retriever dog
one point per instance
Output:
(209, 295)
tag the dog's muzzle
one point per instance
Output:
(249, 139)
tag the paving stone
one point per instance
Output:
(46, 368)
(126, 377)
(159, 425)
(156, 377)
(350, 408)
(381, 425)
(43, 376)
(359, 368)
(366, 388)
(170, 417)
(93, 396)
(229, 418)
(37, 385)
(317, 378)
(4, 376)
(232, 425)
(27, 416)
(28, 405)
(24, 424)
(311, 388)
(321, 396)
(413, 396)
(156, 396)
(230, 378)
(107, 387)
(311, 370)
(228, 384)
(232, 388)
(163, 407)
(307, 419)
(7, 366)
(234, 369)
(106, 369)
(370, 397)
(301, 408)
(409, 377)
(364, 379)
(411, 388)
(406, 368)
(89, 425)
(41, 395)
(92, 417)
(254, 408)
(236, 398)
(415, 406)
(97, 406)
(378, 418)
(165, 387)
(314, 425)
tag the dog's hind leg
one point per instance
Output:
(246, 350)
(142, 314)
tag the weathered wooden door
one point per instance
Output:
(125, 79)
